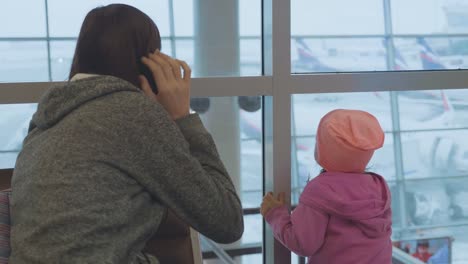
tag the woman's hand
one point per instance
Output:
(270, 202)
(173, 88)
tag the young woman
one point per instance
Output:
(108, 153)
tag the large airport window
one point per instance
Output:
(388, 35)
(228, 44)
(423, 159)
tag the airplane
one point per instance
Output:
(308, 61)
(429, 58)
(436, 110)
(439, 203)
(423, 110)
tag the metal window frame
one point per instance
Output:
(277, 86)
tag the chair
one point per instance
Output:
(174, 242)
(4, 226)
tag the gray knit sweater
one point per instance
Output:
(99, 168)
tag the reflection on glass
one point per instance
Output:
(14, 123)
(23, 61)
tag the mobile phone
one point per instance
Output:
(145, 71)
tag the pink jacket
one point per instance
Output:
(341, 218)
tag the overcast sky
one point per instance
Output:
(309, 17)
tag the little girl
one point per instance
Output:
(344, 214)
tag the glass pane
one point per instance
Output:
(336, 17)
(437, 202)
(166, 46)
(221, 49)
(183, 18)
(251, 58)
(246, 252)
(23, 61)
(430, 53)
(184, 51)
(238, 135)
(254, 258)
(395, 189)
(433, 16)
(435, 154)
(434, 109)
(66, 17)
(61, 57)
(249, 18)
(14, 123)
(308, 109)
(337, 54)
(251, 163)
(22, 18)
(253, 227)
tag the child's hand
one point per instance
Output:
(270, 202)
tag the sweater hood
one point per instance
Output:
(364, 199)
(61, 100)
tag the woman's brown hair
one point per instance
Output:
(112, 40)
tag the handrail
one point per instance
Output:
(219, 252)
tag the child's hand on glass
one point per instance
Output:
(270, 202)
